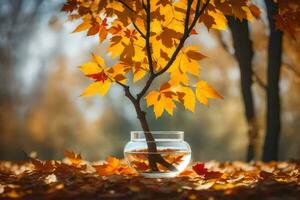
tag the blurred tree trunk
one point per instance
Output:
(15, 27)
(271, 143)
(244, 53)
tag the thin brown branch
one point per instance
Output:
(127, 92)
(127, 6)
(146, 87)
(259, 81)
(135, 12)
(148, 45)
(187, 18)
(138, 29)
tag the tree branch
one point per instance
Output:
(127, 6)
(127, 92)
(138, 29)
(148, 46)
(135, 12)
(187, 17)
(147, 86)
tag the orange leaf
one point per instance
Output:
(255, 11)
(140, 165)
(75, 159)
(94, 29)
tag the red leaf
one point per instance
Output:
(98, 76)
(200, 169)
(193, 32)
(94, 29)
(213, 175)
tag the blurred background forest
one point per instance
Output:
(40, 84)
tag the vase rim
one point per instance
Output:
(158, 135)
(159, 132)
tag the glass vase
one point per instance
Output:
(166, 149)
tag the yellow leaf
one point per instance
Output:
(161, 101)
(97, 88)
(151, 98)
(189, 98)
(138, 74)
(158, 109)
(220, 20)
(204, 91)
(83, 26)
(90, 68)
(99, 60)
(167, 104)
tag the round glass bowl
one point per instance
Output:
(157, 154)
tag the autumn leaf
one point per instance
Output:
(42, 165)
(187, 97)
(204, 92)
(200, 169)
(69, 6)
(140, 166)
(186, 173)
(75, 159)
(96, 70)
(83, 26)
(94, 29)
(255, 11)
(187, 61)
(162, 100)
(113, 166)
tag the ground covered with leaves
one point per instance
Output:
(74, 178)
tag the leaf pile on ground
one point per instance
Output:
(75, 178)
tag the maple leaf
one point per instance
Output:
(177, 159)
(97, 71)
(42, 166)
(112, 166)
(255, 11)
(75, 159)
(186, 62)
(69, 6)
(162, 100)
(83, 26)
(101, 76)
(204, 91)
(94, 29)
(200, 169)
(187, 98)
(140, 166)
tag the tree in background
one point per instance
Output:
(273, 122)
(283, 16)
(244, 53)
(149, 37)
(15, 19)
